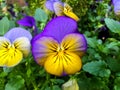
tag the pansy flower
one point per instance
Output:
(61, 9)
(116, 4)
(59, 47)
(28, 21)
(14, 45)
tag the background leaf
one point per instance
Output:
(113, 25)
(4, 25)
(40, 15)
(97, 68)
(15, 83)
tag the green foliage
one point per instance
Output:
(40, 15)
(113, 25)
(15, 83)
(4, 25)
(97, 68)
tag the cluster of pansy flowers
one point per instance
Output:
(58, 48)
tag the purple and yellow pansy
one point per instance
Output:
(59, 47)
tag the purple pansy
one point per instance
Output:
(59, 47)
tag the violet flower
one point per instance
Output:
(59, 47)
(28, 21)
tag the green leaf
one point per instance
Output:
(15, 83)
(117, 84)
(4, 25)
(97, 68)
(113, 64)
(113, 25)
(92, 42)
(40, 15)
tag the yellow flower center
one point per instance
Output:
(11, 49)
(60, 51)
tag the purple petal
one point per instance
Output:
(49, 4)
(115, 1)
(27, 21)
(16, 33)
(117, 8)
(59, 27)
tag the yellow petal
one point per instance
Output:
(13, 57)
(71, 63)
(22, 44)
(68, 12)
(4, 43)
(74, 43)
(58, 8)
(54, 65)
(44, 47)
(9, 56)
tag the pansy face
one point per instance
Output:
(13, 49)
(59, 58)
(59, 51)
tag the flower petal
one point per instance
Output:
(68, 12)
(16, 33)
(8, 55)
(49, 5)
(75, 43)
(54, 65)
(68, 63)
(71, 63)
(22, 44)
(43, 47)
(4, 43)
(58, 8)
(27, 21)
(59, 27)
(12, 58)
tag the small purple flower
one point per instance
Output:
(59, 47)
(28, 21)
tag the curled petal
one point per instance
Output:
(75, 43)
(68, 63)
(16, 33)
(59, 27)
(44, 47)
(68, 12)
(22, 44)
